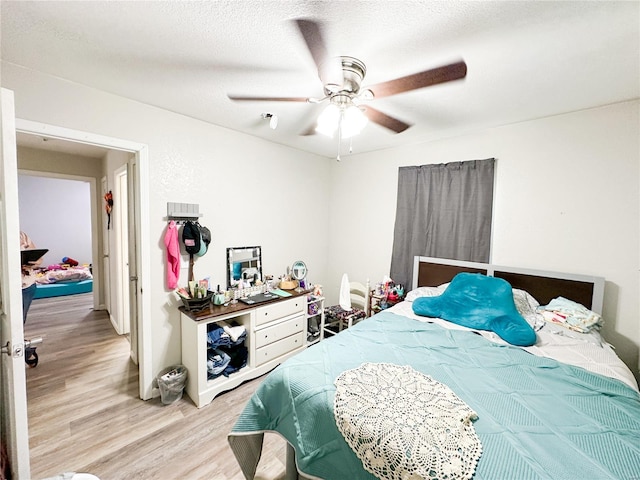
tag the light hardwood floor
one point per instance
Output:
(85, 414)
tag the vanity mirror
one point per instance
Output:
(244, 266)
(299, 273)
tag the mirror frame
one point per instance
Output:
(299, 264)
(241, 255)
(295, 268)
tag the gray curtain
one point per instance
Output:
(443, 211)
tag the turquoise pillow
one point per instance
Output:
(476, 301)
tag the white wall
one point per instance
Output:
(249, 190)
(566, 199)
(56, 214)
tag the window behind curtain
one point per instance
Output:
(443, 211)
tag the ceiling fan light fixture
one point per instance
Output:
(328, 120)
(348, 117)
(353, 121)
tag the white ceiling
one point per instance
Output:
(525, 59)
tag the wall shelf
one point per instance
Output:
(183, 211)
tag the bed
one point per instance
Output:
(57, 281)
(565, 407)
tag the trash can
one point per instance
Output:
(171, 382)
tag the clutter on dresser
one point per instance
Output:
(288, 284)
(295, 277)
(196, 296)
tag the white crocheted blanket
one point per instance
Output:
(404, 425)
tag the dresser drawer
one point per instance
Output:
(276, 349)
(279, 310)
(276, 332)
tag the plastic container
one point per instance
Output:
(171, 382)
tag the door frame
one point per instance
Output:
(141, 221)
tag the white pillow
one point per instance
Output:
(425, 292)
(526, 306)
(525, 303)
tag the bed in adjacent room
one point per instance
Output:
(59, 280)
(407, 395)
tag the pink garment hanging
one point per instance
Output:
(173, 255)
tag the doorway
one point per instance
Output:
(14, 405)
(137, 221)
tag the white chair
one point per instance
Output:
(337, 318)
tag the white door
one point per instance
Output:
(121, 231)
(13, 398)
(132, 201)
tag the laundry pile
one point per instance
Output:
(226, 352)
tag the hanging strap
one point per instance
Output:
(190, 267)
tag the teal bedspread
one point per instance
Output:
(537, 418)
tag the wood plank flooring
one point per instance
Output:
(85, 414)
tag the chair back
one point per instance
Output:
(360, 296)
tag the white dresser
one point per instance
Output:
(275, 331)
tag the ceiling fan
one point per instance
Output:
(342, 79)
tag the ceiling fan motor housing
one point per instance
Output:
(353, 72)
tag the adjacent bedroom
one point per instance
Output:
(56, 214)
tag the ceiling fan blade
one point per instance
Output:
(446, 73)
(267, 99)
(385, 120)
(329, 68)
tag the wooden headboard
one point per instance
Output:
(542, 285)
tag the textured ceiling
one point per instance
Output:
(525, 59)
